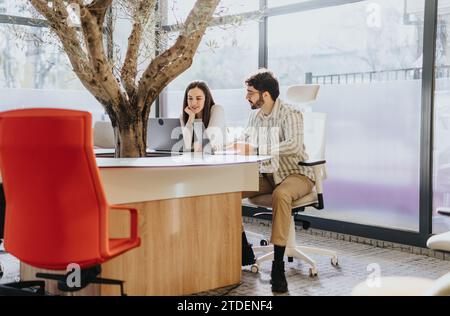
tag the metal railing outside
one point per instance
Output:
(374, 76)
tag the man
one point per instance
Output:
(276, 129)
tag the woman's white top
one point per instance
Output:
(215, 131)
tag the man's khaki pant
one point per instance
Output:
(290, 189)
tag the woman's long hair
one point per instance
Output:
(209, 101)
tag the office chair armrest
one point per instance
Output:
(312, 163)
(319, 172)
(444, 211)
(133, 219)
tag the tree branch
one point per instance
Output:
(98, 8)
(101, 68)
(129, 69)
(179, 57)
(57, 19)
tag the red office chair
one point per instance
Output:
(56, 210)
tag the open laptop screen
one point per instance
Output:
(164, 134)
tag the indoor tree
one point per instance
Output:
(125, 92)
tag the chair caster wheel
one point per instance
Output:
(264, 242)
(334, 261)
(254, 268)
(312, 272)
(306, 225)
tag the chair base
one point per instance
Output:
(293, 251)
(262, 240)
(88, 276)
(23, 288)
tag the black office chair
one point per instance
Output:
(23, 288)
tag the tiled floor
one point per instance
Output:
(357, 262)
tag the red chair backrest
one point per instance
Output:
(55, 200)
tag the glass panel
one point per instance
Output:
(279, 3)
(178, 10)
(224, 59)
(441, 150)
(28, 60)
(20, 8)
(367, 58)
(38, 74)
(227, 7)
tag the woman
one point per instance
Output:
(199, 110)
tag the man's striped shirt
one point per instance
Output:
(280, 135)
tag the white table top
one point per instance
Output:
(185, 160)
(130, 180)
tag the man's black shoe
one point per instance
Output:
(278, 279)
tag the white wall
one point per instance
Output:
(69, 99)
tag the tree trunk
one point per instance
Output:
(130, 138)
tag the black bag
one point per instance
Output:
(248, 256)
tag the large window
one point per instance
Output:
(34, 70)
(179, 9)
(20, 8)
(441, 150)
(28, 61)
(366, 55)
(225, 57)
(278, 3)
(367, 58)
(30, 57)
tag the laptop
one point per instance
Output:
(164, 135)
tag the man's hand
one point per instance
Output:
(242, 148)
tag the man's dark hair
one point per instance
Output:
(263, 81)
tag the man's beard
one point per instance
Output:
(258, 104)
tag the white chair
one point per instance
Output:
(103, 135)
(404, 286)
(440, 241)
(303, 95)
(411, 286)
(314, 139)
